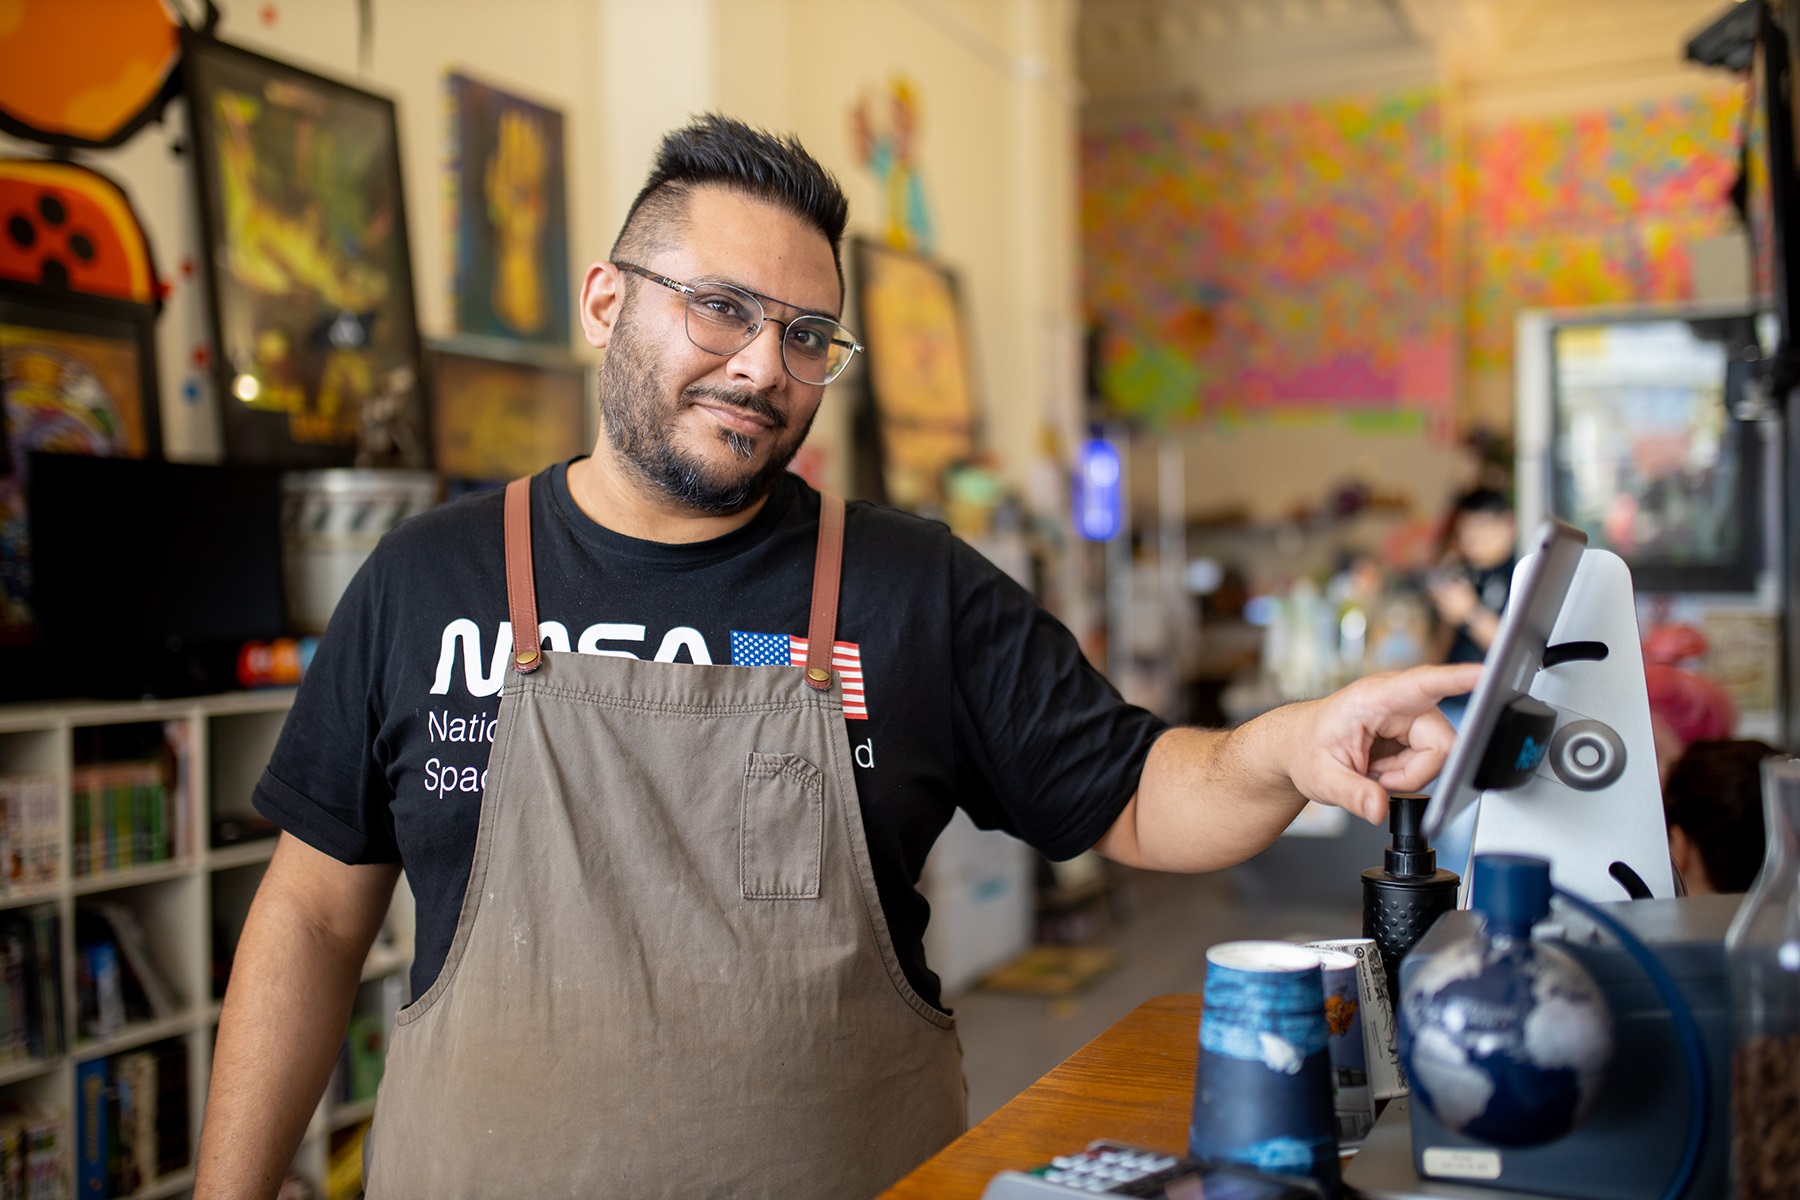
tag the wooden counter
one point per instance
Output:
(1133, 1084)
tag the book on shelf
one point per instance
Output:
(344, 1164)
(124, 814)
(131, 1123)
(93, 1126)
(172, 1140)
(30, 984)
(34, 1152)
(137, 1159)
(30, 832)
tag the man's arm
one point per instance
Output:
(1210, 798)
(293, 982)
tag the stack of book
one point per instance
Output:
(31, 1010)
(30, 833)
(34, 1152)
(124, 816)
(131, 1119)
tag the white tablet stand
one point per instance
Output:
(1595, 799)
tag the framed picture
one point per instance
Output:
(509, 215)
(316, 346)
(496, 417)
(918, 377)
(77, 376)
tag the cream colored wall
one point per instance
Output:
(996, 142)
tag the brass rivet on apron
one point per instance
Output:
(526, 657)
(818, 674)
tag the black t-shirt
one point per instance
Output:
(974, 697)
(1491, 584)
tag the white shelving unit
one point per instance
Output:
(223, 743)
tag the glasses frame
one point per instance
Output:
(687, 291)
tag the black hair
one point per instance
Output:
(1715, 795)
(721, 152)
(1482, 500)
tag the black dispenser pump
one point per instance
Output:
(1408, 892)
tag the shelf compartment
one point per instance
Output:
(18, 1070)
(245, 854)
(343, 1116)
(173, 1184)
(87, 885)
(140, 1033)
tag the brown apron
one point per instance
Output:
(671, 975)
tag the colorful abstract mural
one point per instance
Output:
(1291, 260)
(1277, 260)
(1595, 208)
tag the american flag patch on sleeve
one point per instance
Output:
(785, 650)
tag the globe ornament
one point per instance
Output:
(1506, 1041)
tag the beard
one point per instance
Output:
(640, 426)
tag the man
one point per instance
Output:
(668, 939)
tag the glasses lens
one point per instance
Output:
(817, 349)
(722, 319)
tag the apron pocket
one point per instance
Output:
(782, 834)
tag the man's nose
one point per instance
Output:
(759, 365)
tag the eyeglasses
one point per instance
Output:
(722, 319)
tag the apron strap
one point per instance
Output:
(521, 583)
(821, 634)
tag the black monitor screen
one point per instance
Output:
(128, 553)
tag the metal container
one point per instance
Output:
(330, 522)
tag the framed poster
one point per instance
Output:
(496, 418)
(509, 215)
(918, 377)
(304, 225)
(77, 376)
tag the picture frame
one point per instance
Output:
(506, 175)
(919, 387)
(502, 410)
(316, 350)
(77, 376)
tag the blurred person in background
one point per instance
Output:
(1469, 588)
(1713, 804)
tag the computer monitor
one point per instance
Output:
(1631, 426)
(1513, 661)
(148, 575)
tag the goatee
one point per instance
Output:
(640, 427)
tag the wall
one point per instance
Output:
(995, 79)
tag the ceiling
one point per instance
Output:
(1503, 57)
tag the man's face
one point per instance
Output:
(713, 432)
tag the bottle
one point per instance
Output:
(1762, 955)
(1506, 1040)
(1409, 891)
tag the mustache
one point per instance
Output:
(751, 402)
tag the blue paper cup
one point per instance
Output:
(1351, 1098)
(1262, 1087)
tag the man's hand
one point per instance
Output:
(1208, 799)
(1381, 734)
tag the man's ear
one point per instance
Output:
(1685, 856)
(602, 295)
